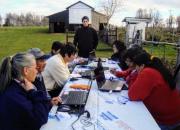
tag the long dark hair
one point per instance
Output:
(119, 45)
(154, 62)
(131, 53)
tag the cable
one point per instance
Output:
(74, 123)
(84, 120)
(97, 106)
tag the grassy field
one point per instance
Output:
(17, 39)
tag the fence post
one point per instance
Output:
(177, 78)
(178, 53)
(66, 35)
(116, 34)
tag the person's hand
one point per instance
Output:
(81, 60)
(113, 71)
(27, 85)
(56, 100)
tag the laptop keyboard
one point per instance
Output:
(75, 98)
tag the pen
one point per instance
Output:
(57, 117)
(106, 116)
(115, 117)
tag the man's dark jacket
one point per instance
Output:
(86, 40)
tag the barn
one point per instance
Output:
(71, 18)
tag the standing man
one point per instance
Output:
(86, 39)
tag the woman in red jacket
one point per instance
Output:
(155, 86)
(129, 74)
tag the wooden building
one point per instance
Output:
(71, 18)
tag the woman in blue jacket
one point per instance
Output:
(22, 106)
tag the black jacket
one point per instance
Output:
(86, 40)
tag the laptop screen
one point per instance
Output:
(99, 76)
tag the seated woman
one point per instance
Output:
(155, 86)
(129, 74)
(22, 107)
(56, 72)
(118, 51)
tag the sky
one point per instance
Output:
(128, 9)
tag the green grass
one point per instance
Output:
(18, 39)
(162, 51)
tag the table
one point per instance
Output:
(109, 111)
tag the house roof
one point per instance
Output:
(58, 13)
(100, 13)
(82, 3)
(136, 20)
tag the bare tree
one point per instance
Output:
(22, 20)
(178, 23)
(157, 18)
(139, 13)
(0, 20)
(44, 21)
(151, 14)
(29, 19)
(171, 21)
(8, 20)
(37, 20)
(110, 7)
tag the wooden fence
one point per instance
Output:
(107, 36)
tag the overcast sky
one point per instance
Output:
(47, 7)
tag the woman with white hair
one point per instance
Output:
(23, 107)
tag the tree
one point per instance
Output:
(178, 23)
(0, 20)
(139, 13)
(170, 22)
(110, 7)
(44, 21)
(29, 19)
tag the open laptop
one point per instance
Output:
(75, 100)
(107, 85)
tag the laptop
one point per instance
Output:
(87, 74)
(75, 100)
(107, 85)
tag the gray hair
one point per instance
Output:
(11, 67)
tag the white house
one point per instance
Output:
(71, 18)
